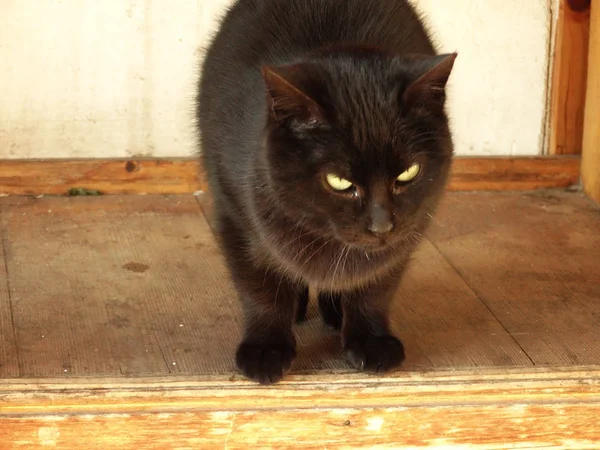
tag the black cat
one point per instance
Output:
(327, 148)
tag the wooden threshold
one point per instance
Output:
(492, 409)
(181, 176)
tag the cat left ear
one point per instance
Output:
(287, 100)
(430, 86)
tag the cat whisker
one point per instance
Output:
(339, 260)
(306, 247)
(348, 249)
(316, 251)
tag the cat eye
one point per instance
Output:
(409, 174)
(338, 183)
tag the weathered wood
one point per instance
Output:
(117, 286)
(121, 274)
(57, 177)
(533, 260)
(9, 364)
(443, 323)
(482, 409)
(525, 173)
(591, 137)
(569, 77)
(150, 176)
(136, 285)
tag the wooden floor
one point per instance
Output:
(134, 288)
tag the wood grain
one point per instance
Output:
(109, 281)
(186, 176)
(569, 77)
(133, 285)
(526, 173)
(110, 285)
(438, 317)
(9, 362)
(533, 260)
(493, 409)
(569, 426)
(148, 176)
(444, 324)
(591, 140)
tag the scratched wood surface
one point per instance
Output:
(9, 364)
(136, 285)
(483, 409)
(119, 325)
(533, 259)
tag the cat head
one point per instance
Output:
(357, 142)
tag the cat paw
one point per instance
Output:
(331, 310)
(374, 353)
(265, 363)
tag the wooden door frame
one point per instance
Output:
(590, 163)
(575, 87)
(568, 77)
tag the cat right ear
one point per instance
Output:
(430, 85)
(285, 99)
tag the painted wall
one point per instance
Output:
(92, 79)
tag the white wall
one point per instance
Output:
(116, 78)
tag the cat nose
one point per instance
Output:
(380, 221)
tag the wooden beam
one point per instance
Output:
(591, 136)
(503, 174)
(57, 177)
(569, 77)
(524, 408)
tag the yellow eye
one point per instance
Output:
(337, 183)
(410, 173)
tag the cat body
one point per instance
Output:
(327, 149)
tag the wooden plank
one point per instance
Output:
(493, 409)
(136, 285)
(147, 176)
(443, 323)
(109, 285)
(569, 77)
(440, 320)
(591, 136)
(525, 173)
(569, 426)
(533, 260)
(182, 176)
(9, 359)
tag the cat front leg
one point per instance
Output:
(270, 302)
(268, 348)
(366, 337)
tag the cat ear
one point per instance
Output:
(430, 86)
(285, 99)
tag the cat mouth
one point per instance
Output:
(363, 241)
(368, 243)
